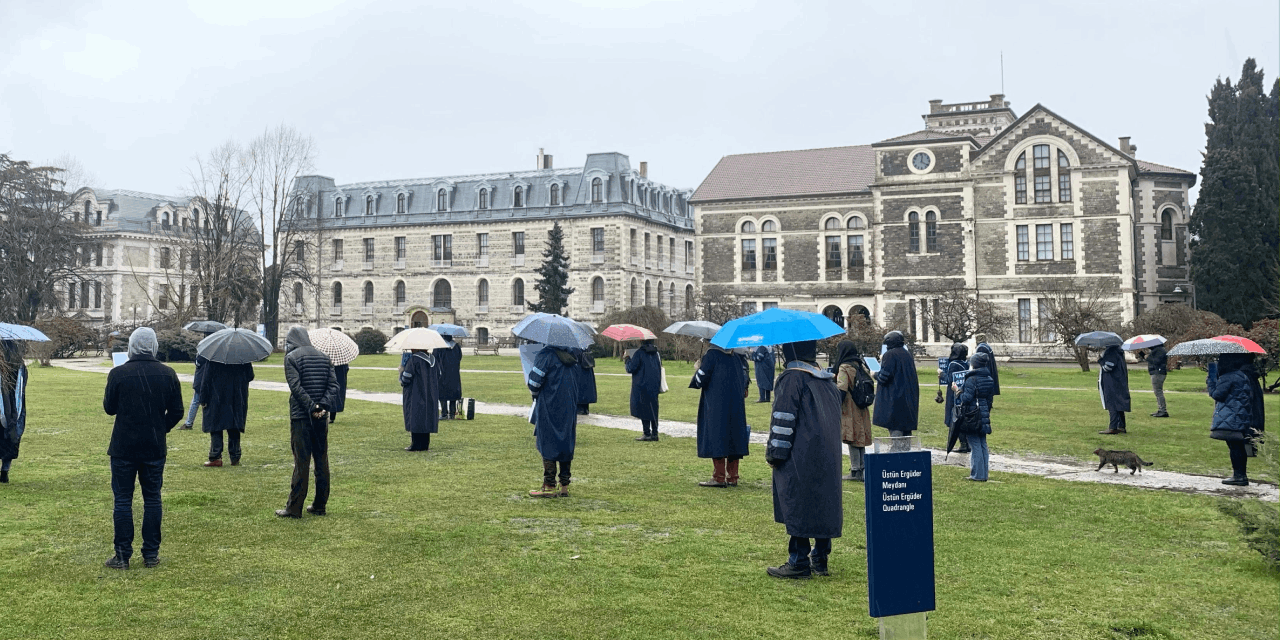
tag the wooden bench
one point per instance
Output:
(486, 348)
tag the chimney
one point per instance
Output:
(546, 161)
(935, 106)
(1128, 149)
(541, 160)
(644, 169)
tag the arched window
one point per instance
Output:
(337, 207)
(768, 226)
(748, 227)
(400, 199)
(671, 296)
(634, 293)
(832, 223)
(368, 205)
(482, 293)
(518, 199)
(1041, 173)
(597, 290)
(1166, 224)
(930, 232)
(857, 223)
(165, 220)
(442, 295)
(87, 206)
(1020, 180)
(1064, 177)
(648, 294)
(688, 298)
(368, 293)
(517, 293)
(834, 314)
(661, 290)
(442, 200)
(297, 293)
(861, 311)
(913, 232)
(337, 294)
(400, 296)
(555, 195)
(597, 190)
(484, 198)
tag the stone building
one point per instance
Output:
(1003, 205)
(464, 249)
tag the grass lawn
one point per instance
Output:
(445, 544)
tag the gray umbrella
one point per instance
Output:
(696, 328)
(1098, 340)
(234, 346)
(205, 326)
(554, 330)
(1207, 347)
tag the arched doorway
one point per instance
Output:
(419, 319)
(835, 314)
(860, 310)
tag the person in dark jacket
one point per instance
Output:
(585, 375)
(1113, 386)
(449, 364)
(13, 403)
(983, 347)
(723, 434)
(224, 393)
(977, 390)
(312, 388)
(554, 386)
(645, 367)
(340, 372)
(804, 451)
(420, 382)
(1238, 413)
(958, 361)
(765, 364)
(195, 398)
(1158, 369)
(146, 399)
(897, 405)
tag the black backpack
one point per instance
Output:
(864, 390)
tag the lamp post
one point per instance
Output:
(1192, 287)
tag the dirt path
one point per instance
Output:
(1059, 469)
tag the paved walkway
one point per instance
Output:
(1055, 469)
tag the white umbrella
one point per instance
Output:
(1145, 341)
(416, 338)
(696, 328)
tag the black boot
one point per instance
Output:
(1237, 481)
(116, 562)
(4, 476)
(789, 571)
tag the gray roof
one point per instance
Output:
(924, 135)
(1151, 167)
(778, 174)
(135, 205)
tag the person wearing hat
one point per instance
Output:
(976, 391)
(804, 451)
(897, 406)
(645, 367)
(855, 421)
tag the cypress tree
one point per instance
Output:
(553, 275)
(1235, 226)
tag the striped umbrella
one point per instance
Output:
(340, 348)
(1144, 341)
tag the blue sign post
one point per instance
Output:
(899, 504)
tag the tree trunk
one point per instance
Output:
(1082, 358)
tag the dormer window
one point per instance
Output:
(597, 190)
(368, 205)
(165, 220)
(518, 197)
(337, 207)
(484, 198)
(555, 195)
(442, 200)
(400, 202)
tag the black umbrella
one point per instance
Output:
(953, 436)
(1098, 340)
(205, 326)
(234, 346)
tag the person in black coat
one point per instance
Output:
(1113, 386)
(340, 372)
(977, 391)
(723, 434)
(585, 373)
(897, 405)
(1238, 415)
(312, 389)
(958, 361)
(645, 367)
(449, 363)
(224, 393)
(420, 382)
(804, 451)
(765, 364)
(554, 386)
(1158, 369)
(13, 403)
(992, 367)
(146, 399)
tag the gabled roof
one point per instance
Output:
(925, 135)
(777, 174)
(1151, 167)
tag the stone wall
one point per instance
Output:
(1100, 198)
(1101, 246)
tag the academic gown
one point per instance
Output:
(722, 418)
(897, 405)
(553, 383)
(13, 408)
(421, 394)
(804, 436)
(765, 363)
(645, 368)
(586, 376)
(340, 403)
(449, 365)
(224, 392)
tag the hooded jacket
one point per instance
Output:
(146, 399)
(977, 390)
(991, 366)
(897, 405)
(310, 375)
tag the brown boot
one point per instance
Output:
(717, 475)
(564, 490)
(547, 491)
(731, 472)
(214, 463)
(1109, 432)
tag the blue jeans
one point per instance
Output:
(195, 404)
(150, 475)
(800, 554)
(980, 457)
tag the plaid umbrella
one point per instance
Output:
(234, 346)
(1216, 346)
(627, 332)
(1145, 341)
(552, 329)
(696, 328)
(340, 348)
(1098, 340)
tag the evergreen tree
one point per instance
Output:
(1235, 227)
(553, 275)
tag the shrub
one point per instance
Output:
(66, 338)
(672, 347)
(176, 345)
(370, 341)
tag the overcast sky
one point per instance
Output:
(395, 89)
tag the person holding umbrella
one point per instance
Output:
(645, 367)
(420, 396)
(207, 327)
(13, 403)
(312, 389)
(342, 350)
(554, 386)
(1231, 383)
(1158, 369)
(855, 420)
(223, 390)
(1113, 387)
(449, 364)
(898, 389)
(723, 434)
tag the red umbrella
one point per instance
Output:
(1249, 345)
(628, 332)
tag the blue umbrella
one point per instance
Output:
(553, 330)
(775, 326)
(450, 330)
(21, 332)
(1099, 340)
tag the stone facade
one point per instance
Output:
(465, 249)
(1002, 205)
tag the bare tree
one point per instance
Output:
(41, 240)
(959, 314)
(1072, 308)
(716, 304)
(276, 159)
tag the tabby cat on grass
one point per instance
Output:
(1117, 458)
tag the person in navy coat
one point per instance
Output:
(420, 382)
(553, 382)
(723, 434)
(645, 367)
(765, 363)
(1113, 386)
(449, 362)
